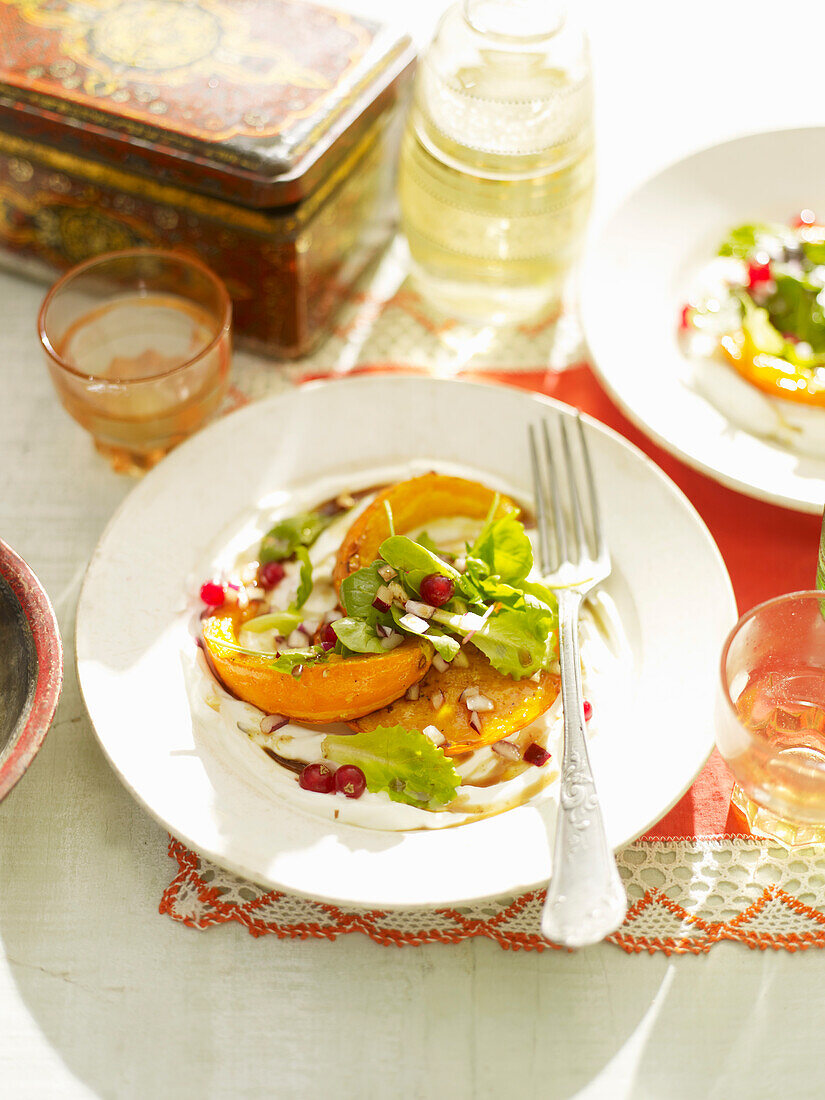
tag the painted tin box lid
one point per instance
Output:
(252, 100)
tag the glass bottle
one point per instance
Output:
(496, 172)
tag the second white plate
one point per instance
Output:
(636, 280)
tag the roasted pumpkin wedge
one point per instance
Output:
(413, 503)
(516, 703)
(335, 689)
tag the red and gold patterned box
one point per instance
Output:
(260, 134)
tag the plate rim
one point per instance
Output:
(588, 305)
(693, 767)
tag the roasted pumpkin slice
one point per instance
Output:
(516, 703)
(335, 689)
(413, 503)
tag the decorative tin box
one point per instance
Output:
(258, 133)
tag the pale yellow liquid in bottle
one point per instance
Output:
(492, 235)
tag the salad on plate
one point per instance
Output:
(759, 309)
(390, 655)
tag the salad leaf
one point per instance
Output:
(407, 556)
(305, 582)
(759, 329)
(505, 548)
(481, 588)
(359, 589)
(282, 621)
(795, 308)
(402, 763)
(358, 636)
(745, 240)
(516, 642)
(282, 540)
(814, 252)
(289, 661)
(423, 539)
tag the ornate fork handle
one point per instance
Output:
(586, 900)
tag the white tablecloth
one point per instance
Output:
(101, 996)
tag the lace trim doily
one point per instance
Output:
(685, 896)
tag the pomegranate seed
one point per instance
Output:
(212, 594)
(436, 589)
(758, 273)
(272, 722)
(684, 317)
(588, 710)
(317, 777)
(535, 754)
(328, 637)
(350, 781)
(271, 574)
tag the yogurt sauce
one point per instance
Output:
(489, 785)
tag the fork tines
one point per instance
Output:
(557, 494)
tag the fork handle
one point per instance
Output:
(586, 900)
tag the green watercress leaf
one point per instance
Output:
(283, 539)
(305, 582)
(409, 557)
(358, 591)
(358, 636)
(400, 762)
(795, 308)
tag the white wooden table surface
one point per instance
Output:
(101, 996)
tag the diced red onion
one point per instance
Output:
(422, 610)
(439, 664)
(383, 631)
(296, 639)
(332, 617)
(437, 699)
(476, 701)
(392, 641)
(272, 722)
(507, 749)
(414, 624)
(396, 592)
(379, 604)
(472, 623)
(413, 692)
(434, 734)
(475, 722)
(535, 754)
(386, 572)
(309, 626)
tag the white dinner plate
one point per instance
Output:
(669, 585)
(635, 282)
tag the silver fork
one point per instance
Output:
(585, 898)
